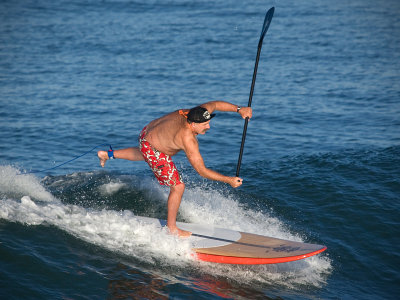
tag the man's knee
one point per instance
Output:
(179, 188)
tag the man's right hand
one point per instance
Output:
(235, 182)
(246, 112)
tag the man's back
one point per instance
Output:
(165, 134)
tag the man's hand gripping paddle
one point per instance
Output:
(267, 22)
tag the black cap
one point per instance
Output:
(199, 115)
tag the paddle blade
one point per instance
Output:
(267, 22)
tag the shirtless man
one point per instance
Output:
(166, 136)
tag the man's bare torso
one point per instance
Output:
(166, 133)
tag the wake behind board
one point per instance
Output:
(219, 245)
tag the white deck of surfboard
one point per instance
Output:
(203, 236)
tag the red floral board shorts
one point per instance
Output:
(161, 164)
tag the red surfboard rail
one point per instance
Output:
(252, 260)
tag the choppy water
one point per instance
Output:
(321, 161)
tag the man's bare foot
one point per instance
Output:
(179, 232)
(103, 156)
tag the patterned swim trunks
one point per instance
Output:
(161, 164)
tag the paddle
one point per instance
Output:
(267, 21)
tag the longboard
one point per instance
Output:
(219, 245)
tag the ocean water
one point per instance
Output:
(321, 161)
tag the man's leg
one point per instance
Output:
(174, 200)
(132, 153)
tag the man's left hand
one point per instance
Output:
(235, 182)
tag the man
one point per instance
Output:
(166, 136)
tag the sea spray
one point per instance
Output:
(14, 184)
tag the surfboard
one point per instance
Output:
(220, 245)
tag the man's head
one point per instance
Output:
(199, 119)
(199, 114)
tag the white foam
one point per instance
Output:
(116, 231)
(111, 188)
(212, 207)
(14, 184)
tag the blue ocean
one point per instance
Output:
(321, 162)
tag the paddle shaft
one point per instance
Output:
(267, 21)
(246, 121)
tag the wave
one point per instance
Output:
(117, 230)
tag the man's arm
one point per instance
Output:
(226, 106)
(193, 154)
